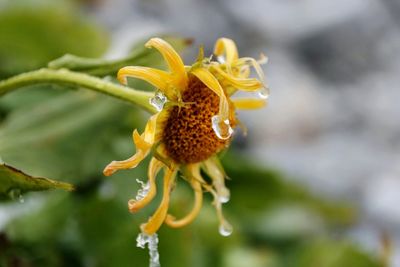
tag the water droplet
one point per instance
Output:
(15, 194)
(221, 127)
(225, 229)
(224, 195)
(158, 101)
(152, 244)
(142, 193)
(263, 93)
(221, 59)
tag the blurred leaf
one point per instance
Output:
(74, 134)
(140, 55)
(31, 35)
(331, 253)
(13, 183)
(257, 188)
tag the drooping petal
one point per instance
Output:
(244, 84)
(198, 199)
(227, 46)
(214, 169)
(155, 221)
(173, 60)
(160, 79)
(154, 168)
(157, 78)
(206, 77)
(249, 103)
(143, 145)
(224, 226)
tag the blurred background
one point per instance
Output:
(315, 183)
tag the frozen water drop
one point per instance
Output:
(221, 127)
(221, 59)
(142, 192)
(158, 101)
(152, 244)
(225, 229)
(224, 195)
(15, 194)
(263, 93)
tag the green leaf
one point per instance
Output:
(13, 183)
(140, 55)
(31, 35)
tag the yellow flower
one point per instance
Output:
(195, 121)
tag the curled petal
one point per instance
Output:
(143, 145)
(249, 84)
(198, 199)
(154, 168)
(227, 46)
(173, 60)
(249, 103)
(155, 221)
(206, 77)
(249, 61)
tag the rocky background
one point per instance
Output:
(334, 74)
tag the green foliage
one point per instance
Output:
(32, 34)
(13, 183)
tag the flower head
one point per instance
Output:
(195, 120)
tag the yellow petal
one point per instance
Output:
(172, 222)
(173, 60)
(143, 145)
(158, 78)
(243, 84)
(227, 46)
(249, 103)
(248, 61)
(214, 169)
(154, 167)
(212, 83)
(155, 221)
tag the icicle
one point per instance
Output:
(152, 244)
(143, 191)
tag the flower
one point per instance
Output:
(195, 121)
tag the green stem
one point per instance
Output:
(75, 79)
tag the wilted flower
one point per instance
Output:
(195, 120)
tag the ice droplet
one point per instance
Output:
(158, 101)
(142, 192)
(15, 194)
(152, 244)
(224, 195)
(221, 59)
(225, 229)
(221, 127)
(263, 93)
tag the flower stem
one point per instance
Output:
(76, 79)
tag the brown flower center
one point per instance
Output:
(188, 135)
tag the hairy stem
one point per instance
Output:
(75, 79)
